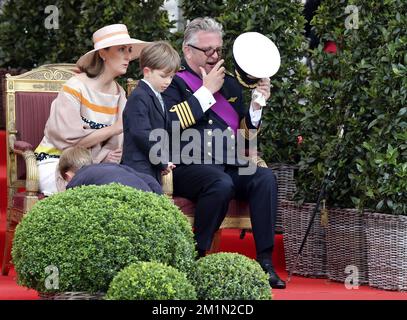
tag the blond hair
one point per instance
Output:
(160, 55)
(74, 158)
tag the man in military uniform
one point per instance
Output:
(203, 97)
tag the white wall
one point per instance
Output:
(174, 13)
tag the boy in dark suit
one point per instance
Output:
(145, 111)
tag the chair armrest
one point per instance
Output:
(254, 157)
(167, 184)
(25, 149)
(22, 146)
(261, 163)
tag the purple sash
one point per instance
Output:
(222, 107)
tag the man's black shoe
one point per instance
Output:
(201, 253)
(274, 279)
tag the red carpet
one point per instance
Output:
(298, 289)
(9, 290)
(3, 190)
(301, 288)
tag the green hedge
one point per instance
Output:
(150, 281)
(205, 8)
(92, 232)
(363, 86)
(230, 276)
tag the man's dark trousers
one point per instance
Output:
(212, 186)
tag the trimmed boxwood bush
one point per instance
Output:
(150, 281)
(230, 276)
(92, 232)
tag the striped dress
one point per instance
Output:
(76, 112)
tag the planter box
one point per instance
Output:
(286, 187)
(77, 295)
(313, 261)
(387, 251)
(346, 244)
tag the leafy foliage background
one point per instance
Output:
(363, 87)
(25, 42)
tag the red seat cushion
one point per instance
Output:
(32, 112)
(18, 200)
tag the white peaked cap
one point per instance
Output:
(256, 55)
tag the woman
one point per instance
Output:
(88, 110)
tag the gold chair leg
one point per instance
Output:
(7, 249)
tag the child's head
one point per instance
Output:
(159, 62)
(72, 159)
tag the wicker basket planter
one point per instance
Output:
(387, 251)
(78, 295)
(313, 261)
(346, 244)
(286, 187)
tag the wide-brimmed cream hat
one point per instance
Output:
(112, 35)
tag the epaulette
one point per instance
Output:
(229, 73)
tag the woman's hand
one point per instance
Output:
(100, 135)
(114, 156)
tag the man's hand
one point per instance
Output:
(263, 87)
(168, 169)
(114, 156)
(261, 94)
(213, 81)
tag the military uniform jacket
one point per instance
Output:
(211, 140)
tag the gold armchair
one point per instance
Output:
(28, 102)
(131, 84)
